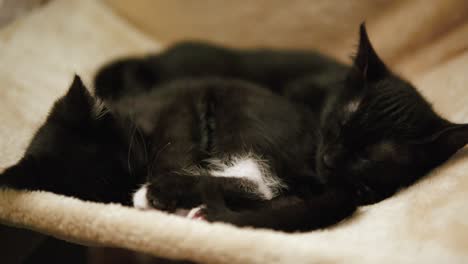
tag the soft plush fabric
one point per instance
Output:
(426, 223)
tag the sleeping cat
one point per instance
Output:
(376, 129)
(78, 151)
(296, 145)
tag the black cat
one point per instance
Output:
(332, 136)
(78, 151)
(370, 116)
(376, 135)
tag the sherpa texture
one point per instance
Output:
(39, 54)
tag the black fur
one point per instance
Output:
(75, 153)
(391, 139)
(336, 136)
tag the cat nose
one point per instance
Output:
(329, 161)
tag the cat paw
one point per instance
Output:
(171, 192)
(197, 213)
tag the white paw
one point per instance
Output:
(139, 198)
(196, 213)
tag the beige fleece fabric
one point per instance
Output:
(426, 223)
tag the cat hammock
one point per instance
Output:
(39, 54)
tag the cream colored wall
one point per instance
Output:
(399, 29)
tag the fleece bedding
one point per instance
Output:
(40, 53)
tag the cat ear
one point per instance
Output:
(78, 97)
(76, 105)
(367, 63)
(450, 139)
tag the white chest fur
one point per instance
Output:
(253, 170)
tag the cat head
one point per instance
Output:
(75, 147)
(378, 133)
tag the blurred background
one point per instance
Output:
(401, 30)
(397, 28)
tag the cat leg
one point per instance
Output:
(274, 69)
(173, 191)
(133, 75)
(124, 77)
(287, 213)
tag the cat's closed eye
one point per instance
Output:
(387, 151)
(379, 151)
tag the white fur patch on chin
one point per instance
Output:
(139, 198)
